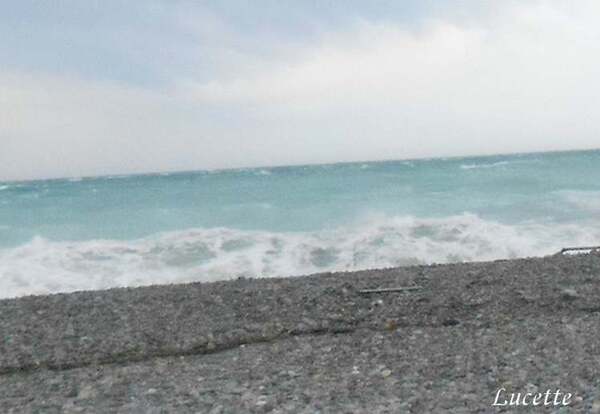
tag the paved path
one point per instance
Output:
(311, 344)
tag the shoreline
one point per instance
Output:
(312, 342)
(334, 273)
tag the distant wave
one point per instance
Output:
(496, 164)
(42, 266)
(14, 187)
(490, 165)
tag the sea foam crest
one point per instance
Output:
(498, 163)
(42, 266)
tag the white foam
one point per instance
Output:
(43, 266)
(498, 163)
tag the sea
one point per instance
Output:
(88, 233)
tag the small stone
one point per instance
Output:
(312, 324)
(217, 409)
(71, 393)
(69, 330)
(471, 397)
(151, 391)
(386, 373)
(264, 404)
(211, 346)
(569, 294)
(391, 325)
(86, 392)
(261, 400)
(531, 388)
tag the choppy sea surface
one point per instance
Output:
(94, 233)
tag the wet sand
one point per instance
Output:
(312, 344)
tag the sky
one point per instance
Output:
(115, 87)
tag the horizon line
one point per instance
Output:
(275, 166)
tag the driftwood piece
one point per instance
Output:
(579, 249)
(389, 290)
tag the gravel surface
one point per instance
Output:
(312, 344)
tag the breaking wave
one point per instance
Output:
(43, 266)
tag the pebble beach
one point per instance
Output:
(329, 343)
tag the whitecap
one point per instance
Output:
(489, 165)
(499, 163)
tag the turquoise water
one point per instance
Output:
(89, 233)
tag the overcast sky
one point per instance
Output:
(111, 87)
